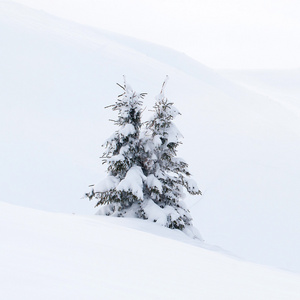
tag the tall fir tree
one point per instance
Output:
(121, 192)
(168, 175)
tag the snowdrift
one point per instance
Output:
(56, 256)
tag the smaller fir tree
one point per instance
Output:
(121, 192)
(168, 175)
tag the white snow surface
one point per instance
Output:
(108, 183)
(174, 134)
(156, 213)
(192, 185)
(152, 181)
(127, 129)
(242, 147)
(133, 182)
(47, 255)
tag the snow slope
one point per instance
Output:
(281, 85)
(243, 147)
(56, 256)
(284, 82)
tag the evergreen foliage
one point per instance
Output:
(145, 178)
(123, 185)
(169, 173)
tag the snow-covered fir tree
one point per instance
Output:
(168, 175)
(121, 192)
(145, 177)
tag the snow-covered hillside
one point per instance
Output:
(283, 82)
(282, 85)
(243, 148)
(55, 256)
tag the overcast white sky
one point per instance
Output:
(236, 34)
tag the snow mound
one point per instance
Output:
(55, 256)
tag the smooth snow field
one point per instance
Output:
(56, 256)
(241, 141)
